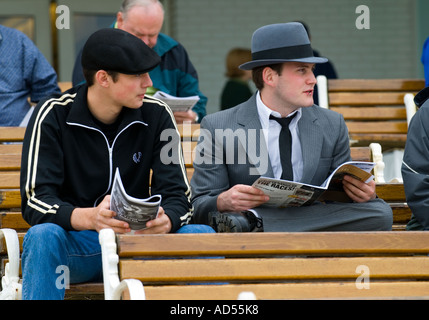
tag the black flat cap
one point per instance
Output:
(117, 50)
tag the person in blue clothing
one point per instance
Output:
(425, 60)
(24, 73)
(175, 75)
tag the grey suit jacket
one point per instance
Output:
(232, 150)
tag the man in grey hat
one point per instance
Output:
(282, 64)
(73, 144)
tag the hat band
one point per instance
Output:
(293, 52)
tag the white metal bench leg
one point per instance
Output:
(113, 287)
(377, 155)
(11, 286)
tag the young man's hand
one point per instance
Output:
(357, 190)
(240, 197)
(98, 218)
(161, 224)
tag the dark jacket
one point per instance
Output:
(67, 161)
(415, 164)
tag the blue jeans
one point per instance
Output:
(53, 256)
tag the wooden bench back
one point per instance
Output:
(374, 109)
(277, 265)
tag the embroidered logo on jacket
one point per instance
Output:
(137, 156)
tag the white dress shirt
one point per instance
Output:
(271, 131)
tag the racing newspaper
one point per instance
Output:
(132, 210)
(177, 103)
(285, 193)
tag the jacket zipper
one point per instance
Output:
(110, 150)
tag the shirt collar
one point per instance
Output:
(265, 112)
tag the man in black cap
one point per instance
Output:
(74, 143)
(282, 69)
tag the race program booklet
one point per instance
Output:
(177, 103)
(132, 210)
(284, 193)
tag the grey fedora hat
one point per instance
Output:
(281, 42)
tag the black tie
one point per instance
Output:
(285, 146)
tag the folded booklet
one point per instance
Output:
(177, 103)
(284, 193)
(137, 212)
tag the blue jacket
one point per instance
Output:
(24, 73)
(425, 60)
(175, 75)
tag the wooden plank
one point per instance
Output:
(268, 269)
(9, 179)
(10, 161)
(13, 220)
(377, 127)
(12, 134)
(313, 290)
(408, 85)
(10, 199)
(14, 148)
(391, 192)
(284, 243)
(365, 138)
(371, 113)
(365, 98)
(401, 213)
(361, 153)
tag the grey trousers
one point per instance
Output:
(369, 216)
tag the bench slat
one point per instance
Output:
(368, 113)
(10, 199)
(10, 161)
(9, 179)
(12, 134)
(365, 98)
(255, 269)
(404, 85)
(13, 220)
(314, 290)
(284, 243)
(383, 127)
(391, 192)
(397, 139)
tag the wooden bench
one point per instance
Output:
(311, 265)
(10, 200)
(374, 109)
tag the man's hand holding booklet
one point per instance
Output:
(285, 193)
(132, 210)
(177, 103)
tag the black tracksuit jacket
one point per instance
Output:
(67, 161)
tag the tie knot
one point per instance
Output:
(284, 122)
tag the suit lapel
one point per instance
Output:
(253, 141)
(311, 143)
